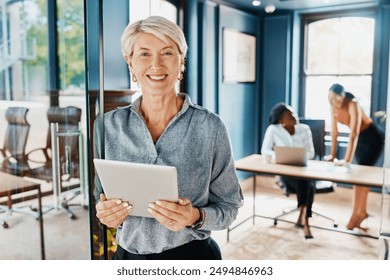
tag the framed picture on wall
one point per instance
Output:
(239, 57)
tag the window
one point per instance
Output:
(140, 9)
(338, 50)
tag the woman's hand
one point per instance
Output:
(341, 162)
(174, 215)
(112, 212)
(329, 158)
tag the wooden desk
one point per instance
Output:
(11, 184)
(317, 170)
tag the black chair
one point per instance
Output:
(317, 127)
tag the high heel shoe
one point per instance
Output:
(355, 222)
(307, 232)
(306, 229)
(358, 225)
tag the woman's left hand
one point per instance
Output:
(174, 215)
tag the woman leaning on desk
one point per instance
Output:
(365, 143)
(163, 127)
(284, 130)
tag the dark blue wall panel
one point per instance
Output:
(275, 64)
(192, 83)
(238, 104)
(383, 37)
(92, 43)
(209, 56)
(116, 72)
(115, 19)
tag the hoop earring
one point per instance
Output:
(134, 78)
(180, 76)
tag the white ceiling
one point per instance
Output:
(298, 4)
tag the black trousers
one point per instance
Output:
(370, 145)
(305, 190)
(206, 249)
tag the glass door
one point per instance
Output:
(42, 131)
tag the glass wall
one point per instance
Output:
(384, 238)
(43, 121)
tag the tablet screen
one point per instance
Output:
(137, 183)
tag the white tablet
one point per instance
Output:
(137, 183)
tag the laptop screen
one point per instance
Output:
(291, 155)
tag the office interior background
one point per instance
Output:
(65, 54)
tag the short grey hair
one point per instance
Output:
(158, 26)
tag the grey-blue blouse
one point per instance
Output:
(197, 143)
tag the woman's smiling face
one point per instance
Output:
(156, 64)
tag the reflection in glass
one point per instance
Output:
(25, 73)
(70, 26)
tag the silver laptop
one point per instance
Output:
(137, 183)
(291, 155)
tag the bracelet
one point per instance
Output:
(200, 221)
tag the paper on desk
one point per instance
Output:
(339, 169)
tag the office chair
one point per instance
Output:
(317, 127)
(15, 159)
(13, 152)
(68, 120)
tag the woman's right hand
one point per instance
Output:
(112, 212)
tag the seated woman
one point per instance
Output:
(284, 130)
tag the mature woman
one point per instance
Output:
(365, 143)
(284, 130)
(163, 127)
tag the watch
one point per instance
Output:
(199, 222)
